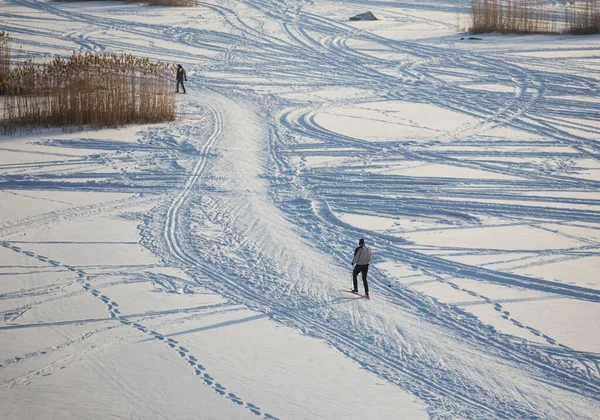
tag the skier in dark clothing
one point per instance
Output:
(362, 259)
(181, 76)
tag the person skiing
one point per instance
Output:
(362, 259)
(181, 76)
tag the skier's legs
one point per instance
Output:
(364, 270)
(354, 277)
(180, 82)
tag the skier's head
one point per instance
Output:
(178, 66)
(361, 241)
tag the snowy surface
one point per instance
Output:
(197, 269)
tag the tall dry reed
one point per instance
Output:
(514, 16)
(96, 90)
(169, 3)
(536, 16)
(582, 17)
(4, 61)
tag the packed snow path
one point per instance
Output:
(288, 151)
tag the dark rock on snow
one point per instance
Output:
(364, 16)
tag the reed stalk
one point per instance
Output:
(95, 90)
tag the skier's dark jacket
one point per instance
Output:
(181, 76)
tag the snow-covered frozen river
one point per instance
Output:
(198, 269)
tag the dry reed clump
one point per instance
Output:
(97, 90)
(4, 61)
(582, 17)
(171, 3)
(536, 16)
(513, 16)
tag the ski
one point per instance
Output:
(357, 294)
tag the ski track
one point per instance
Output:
(301, 55)
(114, 311)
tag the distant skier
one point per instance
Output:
(362, 259)
(181, 76)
